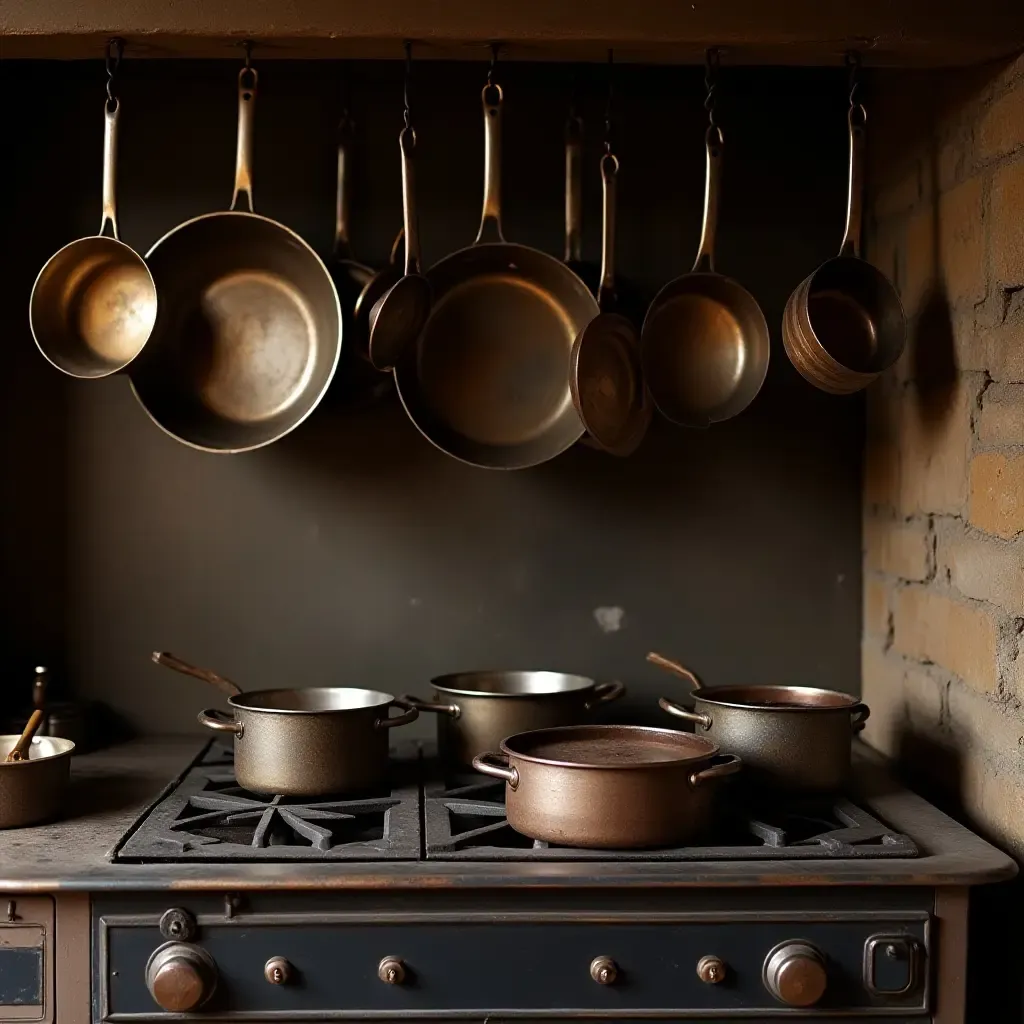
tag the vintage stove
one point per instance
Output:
(421, 903)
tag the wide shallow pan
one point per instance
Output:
(248, 332)
(316, 741)
(705, 341)
(34, 790)
(611, 787)
(487, 381)
(793, 738)
(844, 325)
(477, 710)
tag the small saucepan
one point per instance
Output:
(608, 787)
(477, 710)
(34, 776)
(317, 741)
(795, 738)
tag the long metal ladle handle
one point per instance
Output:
(856, 118)
(609, 176)
(185, 668)
(573, 189)
(407, 143)
(714, 141)
(243, 151)
(110, 119)
(674, 667)
(490, 219)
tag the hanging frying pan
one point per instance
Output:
(248, 331)
(487, 381)
(705, 340)
(605, 371)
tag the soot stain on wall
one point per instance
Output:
(353, 553)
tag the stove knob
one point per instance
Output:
(277, 971)
(604, 970)
(391, 971)
(181, 977)
(794, 972)
(711, 970)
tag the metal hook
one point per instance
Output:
(407, 113)
(248, 54)
(345, 121)
(608, 104)
(494, 63)
(112, 55)
(712, 62)
(853, 65)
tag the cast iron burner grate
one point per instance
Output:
(208, 816)
(465, 820)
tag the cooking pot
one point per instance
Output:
(794, 738)
(33, 790)
(477, 710)
(610, 787)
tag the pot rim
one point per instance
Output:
(719, 697)
(65, 749)
(709, 750)
(580, 683)
(240, 701)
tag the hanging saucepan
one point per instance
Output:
(605, 369)
(794, 738)
(844, 325)
(248, 333)
(477, 710)
(487, 381)
(608, 787)
(315, 741)
(705, 340)
(94, 303)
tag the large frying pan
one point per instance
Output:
(248, 330)
(488, 378)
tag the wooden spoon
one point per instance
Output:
(19, 752)
(207, 675)
(674, 667)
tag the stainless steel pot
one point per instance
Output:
(614, 787)
(477, 710)
(33, 790)
(313, 742)
(795, 738)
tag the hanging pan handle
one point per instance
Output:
(859, 715)
(573, 189)
(714, 142)
(220, 721)
(452, 710)
(111, 115)
(675, 668)
(609, 176)
(696, 717)
(485, 763)
(490, 219)
(721, 765)
(409, 715)
(243, 154)
(605, 693)
(407, 143)
(856, 118)
(342, 199)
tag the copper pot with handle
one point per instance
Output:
(477, 710)
(609, 787)
(317, 741)
(794, 738)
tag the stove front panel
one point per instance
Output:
(525, 964)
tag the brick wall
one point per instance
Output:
(943, 646)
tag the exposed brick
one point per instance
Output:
(1002, 127)
(899, 549)
(933, 455)
(1001, 419)
(999, 349)
(983, 567)
(994, 796)
(962, 243)
(1016, 675)
(876, 606)
(919, 260)
(961, 638)
(1006, 234)
(985, 725)
(997, 493)
(881, 474)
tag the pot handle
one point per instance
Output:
(705, 262)
(696, 717)
(859, 714)
(426, 705)
(243, 151)
(220, 721)
(490, 218)
(482, 763)
(728, 764)
(409, 715)
(674, 667)
(605, 693)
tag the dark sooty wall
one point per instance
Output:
(351, 552)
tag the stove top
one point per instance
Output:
(205, 815)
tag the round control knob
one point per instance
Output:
(794, 972)
(391, 971)
(277, 971)
(180, 977)
(711, 970)
(604, 970)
